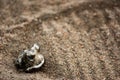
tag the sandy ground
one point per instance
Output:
(80, 39)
